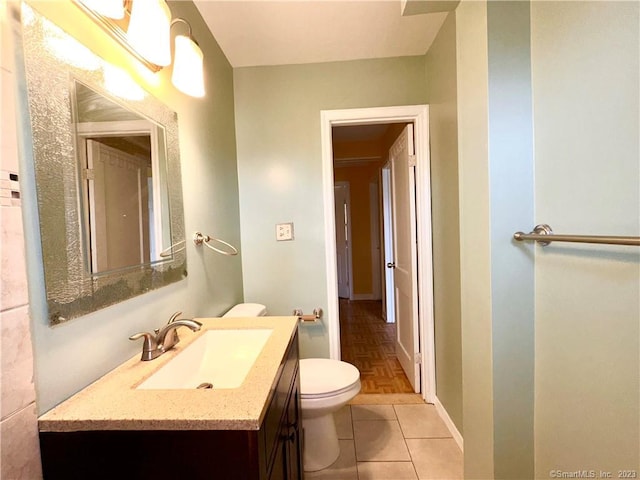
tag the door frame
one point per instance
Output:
(387, 234)
(419, 115)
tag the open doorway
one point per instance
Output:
(360, 153)
(422, 357)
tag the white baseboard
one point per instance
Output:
(449, 423)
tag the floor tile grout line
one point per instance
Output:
(411, 457)
(401, 429)
(376, 420)
(355, 445)
(353, 433)
(355, 451)
(385, 461)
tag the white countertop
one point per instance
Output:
(113, 402)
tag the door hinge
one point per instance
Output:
(412, 160)
(89, 174)
(418, 358)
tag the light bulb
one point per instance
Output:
(188, 75)
(148, 31)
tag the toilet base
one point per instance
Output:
(321, 446)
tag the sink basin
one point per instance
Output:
(217, 359)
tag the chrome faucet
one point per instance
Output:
(165, 338)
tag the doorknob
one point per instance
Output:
(391, 265)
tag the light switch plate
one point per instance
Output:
(284, 231)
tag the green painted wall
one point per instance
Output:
(279, 164)
(72, 355)
(585, 74)
(475, 240)
(512, 266)
(443, 126)
(570, 400)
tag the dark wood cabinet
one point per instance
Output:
(283, 424)
(274, 452)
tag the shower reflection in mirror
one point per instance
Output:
(122, 165)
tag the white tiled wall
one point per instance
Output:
(19, 448)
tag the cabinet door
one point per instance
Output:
(293, 443)
(279, 468)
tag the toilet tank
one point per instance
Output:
(247, 310)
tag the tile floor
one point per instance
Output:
(393, 442)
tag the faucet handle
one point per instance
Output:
(150, 349)
(174, 317)
(148, 338)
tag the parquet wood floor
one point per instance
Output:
(368, 342)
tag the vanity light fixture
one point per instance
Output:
(148, 31)
(188, 75)
(143, 27)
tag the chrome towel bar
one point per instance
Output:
(543, 234)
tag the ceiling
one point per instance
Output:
(268, 32)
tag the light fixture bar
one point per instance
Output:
(117, 34)
(109, 8)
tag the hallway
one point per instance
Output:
(368, 342)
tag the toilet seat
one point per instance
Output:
(323, 377)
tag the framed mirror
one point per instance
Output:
(107, 166)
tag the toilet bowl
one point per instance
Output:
(325, 387)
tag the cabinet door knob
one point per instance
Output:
(293, 431)
(391, 265)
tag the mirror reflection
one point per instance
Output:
(121, 157)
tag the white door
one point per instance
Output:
(118, 207)
(343, 238)
(405, 261)
(374, 209)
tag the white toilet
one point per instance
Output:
(325, 387)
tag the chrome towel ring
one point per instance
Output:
(201, 239)
(169, 251)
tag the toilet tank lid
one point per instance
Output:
(247, 310)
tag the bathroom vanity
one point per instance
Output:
(113, 429)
